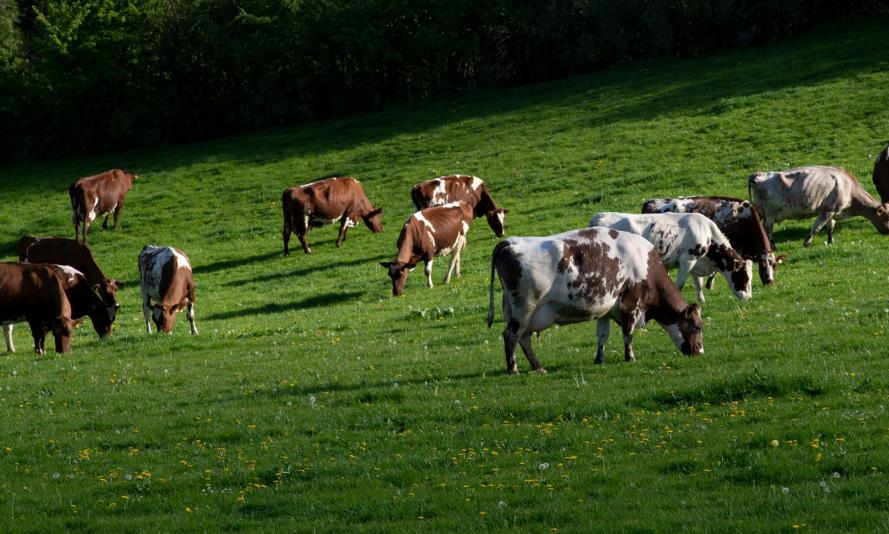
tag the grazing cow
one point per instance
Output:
(592, 274)
(456, 188)
(429, 233)
(35, 293)
(69, 252)
(99, 195)
(828, 192)
(881, 175)
(165, 277)
(738, 219)
(325, 202)
(84, 301)
(690, 241)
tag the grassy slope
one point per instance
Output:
(313, 400)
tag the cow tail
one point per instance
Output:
(750, 187)
(285, 208)
(491, 288)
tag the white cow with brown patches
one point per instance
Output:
(166, 278)
(689, 241)
(592, 274)
(826, 192)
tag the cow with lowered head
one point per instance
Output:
(457, 188)
(101, 194)
(334, 200)
(429, 233)
(36, 293)
(596, 274)
(165, 277)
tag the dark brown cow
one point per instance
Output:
(596, 274)
(62, 251)
(325, 202)
(429, 233)
(84, 301)
(460, 188)
(881, 175)
(738, 219)
(165, 276)
(99, 195)
(36, 293)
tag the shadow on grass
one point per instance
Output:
(231, 264)
(10, 249)
(317, 301)
(303, 271)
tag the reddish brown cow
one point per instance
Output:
(62, 251)
(881, 175)
(457, 188)
(99, 195)
(325, 202)
(429, 233)
(36, 293)
(165, 276)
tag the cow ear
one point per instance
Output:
(378, 211)
(385, 264)
(691, 310)
(504, 211)
(737, 264)
(116, 283)
(780, 260)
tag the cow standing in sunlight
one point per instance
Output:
(165, 276)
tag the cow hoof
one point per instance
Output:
(541, 370)
(598, 361)
(807, 242)
(513, 371)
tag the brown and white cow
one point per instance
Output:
(828, 192)
(84, 302)
(36, 293)
(689, 241)
(62, 251)
(99, 195)
(429, 233)
(165, 276)
(596, 274)
(327, 201)
(456, 188)
(738, 219)
(881, 175)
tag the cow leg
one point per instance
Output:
(455, 260)
(627, 325)
(603, 328)
(525, 343)
(194, 329)
(510, 339)
(302, 231)
(105, 221)
(146, 310)
(117, 210)
(76, 227)
(39, 335)
(344, 226)
(685, 267)
(7, 333)
(86, 229)
(696, 280)
(830, 224)
(822, 219)
(710, 280)
(428, 270)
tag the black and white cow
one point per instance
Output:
(583, 275)
(689, 241)
(738, 219)
(165, 276)
(828, 192)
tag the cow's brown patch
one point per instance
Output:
(597, 273)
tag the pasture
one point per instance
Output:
(313, 400)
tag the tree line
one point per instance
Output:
(108, 75)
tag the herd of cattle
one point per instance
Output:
(613, 270)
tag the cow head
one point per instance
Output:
(398, 273)
(106, 312)
(767, 265)
(496, 218)
(374, 220)
(61, 328)
(737, 271)
(164, 317)
(881, 219)
(687, 332)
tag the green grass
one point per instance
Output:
(313, 400)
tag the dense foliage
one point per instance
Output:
(99, 75)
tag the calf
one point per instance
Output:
(35, 293)
(429, 233)
(737, 219)
(84, 301)
(456, 188)
(99, 195)
(690, 241)
(881, 175)
(592, 274)
(165, 276)
(828, 192)
(325, 202)
(69, 252)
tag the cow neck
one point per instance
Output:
(406, 244)
(666, 302)
(485, 203)
(762, 242)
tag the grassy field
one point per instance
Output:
(313, 400)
